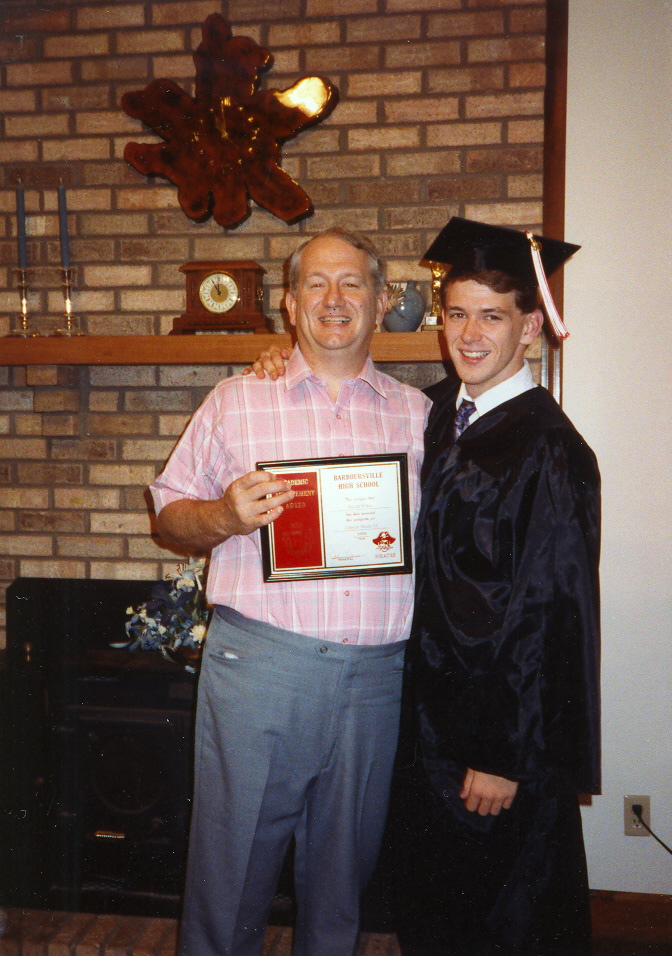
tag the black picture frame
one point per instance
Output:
(369, 510)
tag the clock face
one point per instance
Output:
(218, 292)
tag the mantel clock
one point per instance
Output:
(222, 295)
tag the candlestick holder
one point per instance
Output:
(68, 328)
(23, 329)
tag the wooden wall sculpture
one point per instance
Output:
(222, 146)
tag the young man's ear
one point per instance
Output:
(532, 327)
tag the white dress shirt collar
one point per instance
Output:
(521, 382)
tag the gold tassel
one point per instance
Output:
(559, 327)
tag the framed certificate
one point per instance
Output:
(350, 517)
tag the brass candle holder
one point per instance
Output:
(66, 280)
(23, 329)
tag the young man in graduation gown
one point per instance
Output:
(502, 667)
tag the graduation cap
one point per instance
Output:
(475, 246)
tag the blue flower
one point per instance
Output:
(176, 615)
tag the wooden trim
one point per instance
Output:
(226, 349)
(555, 141)
(635, 917)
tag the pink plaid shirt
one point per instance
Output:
(245, 420)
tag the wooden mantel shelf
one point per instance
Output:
(422, 346)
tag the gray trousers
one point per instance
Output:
(293, 737)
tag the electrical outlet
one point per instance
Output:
(631, 825)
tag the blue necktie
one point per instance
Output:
(462, 418)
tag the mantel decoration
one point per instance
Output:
(66, 271)
(406, 307)
(22, 272)
(175, 619)
(222, 294)
(223, 145)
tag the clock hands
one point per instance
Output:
(218, 292)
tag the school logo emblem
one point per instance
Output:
(384, 541)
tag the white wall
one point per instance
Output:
(618, 307)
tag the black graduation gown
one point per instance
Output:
(502, 677)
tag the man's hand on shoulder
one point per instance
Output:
(484, 793)
(271, 362)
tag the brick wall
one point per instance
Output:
(440, 113)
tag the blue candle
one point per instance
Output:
(21, 227)
(63, 223)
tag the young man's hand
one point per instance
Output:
(271, 361)
(485, 794)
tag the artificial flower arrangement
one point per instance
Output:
(395, 295)
(176, 616)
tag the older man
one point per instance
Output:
(299, 690)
